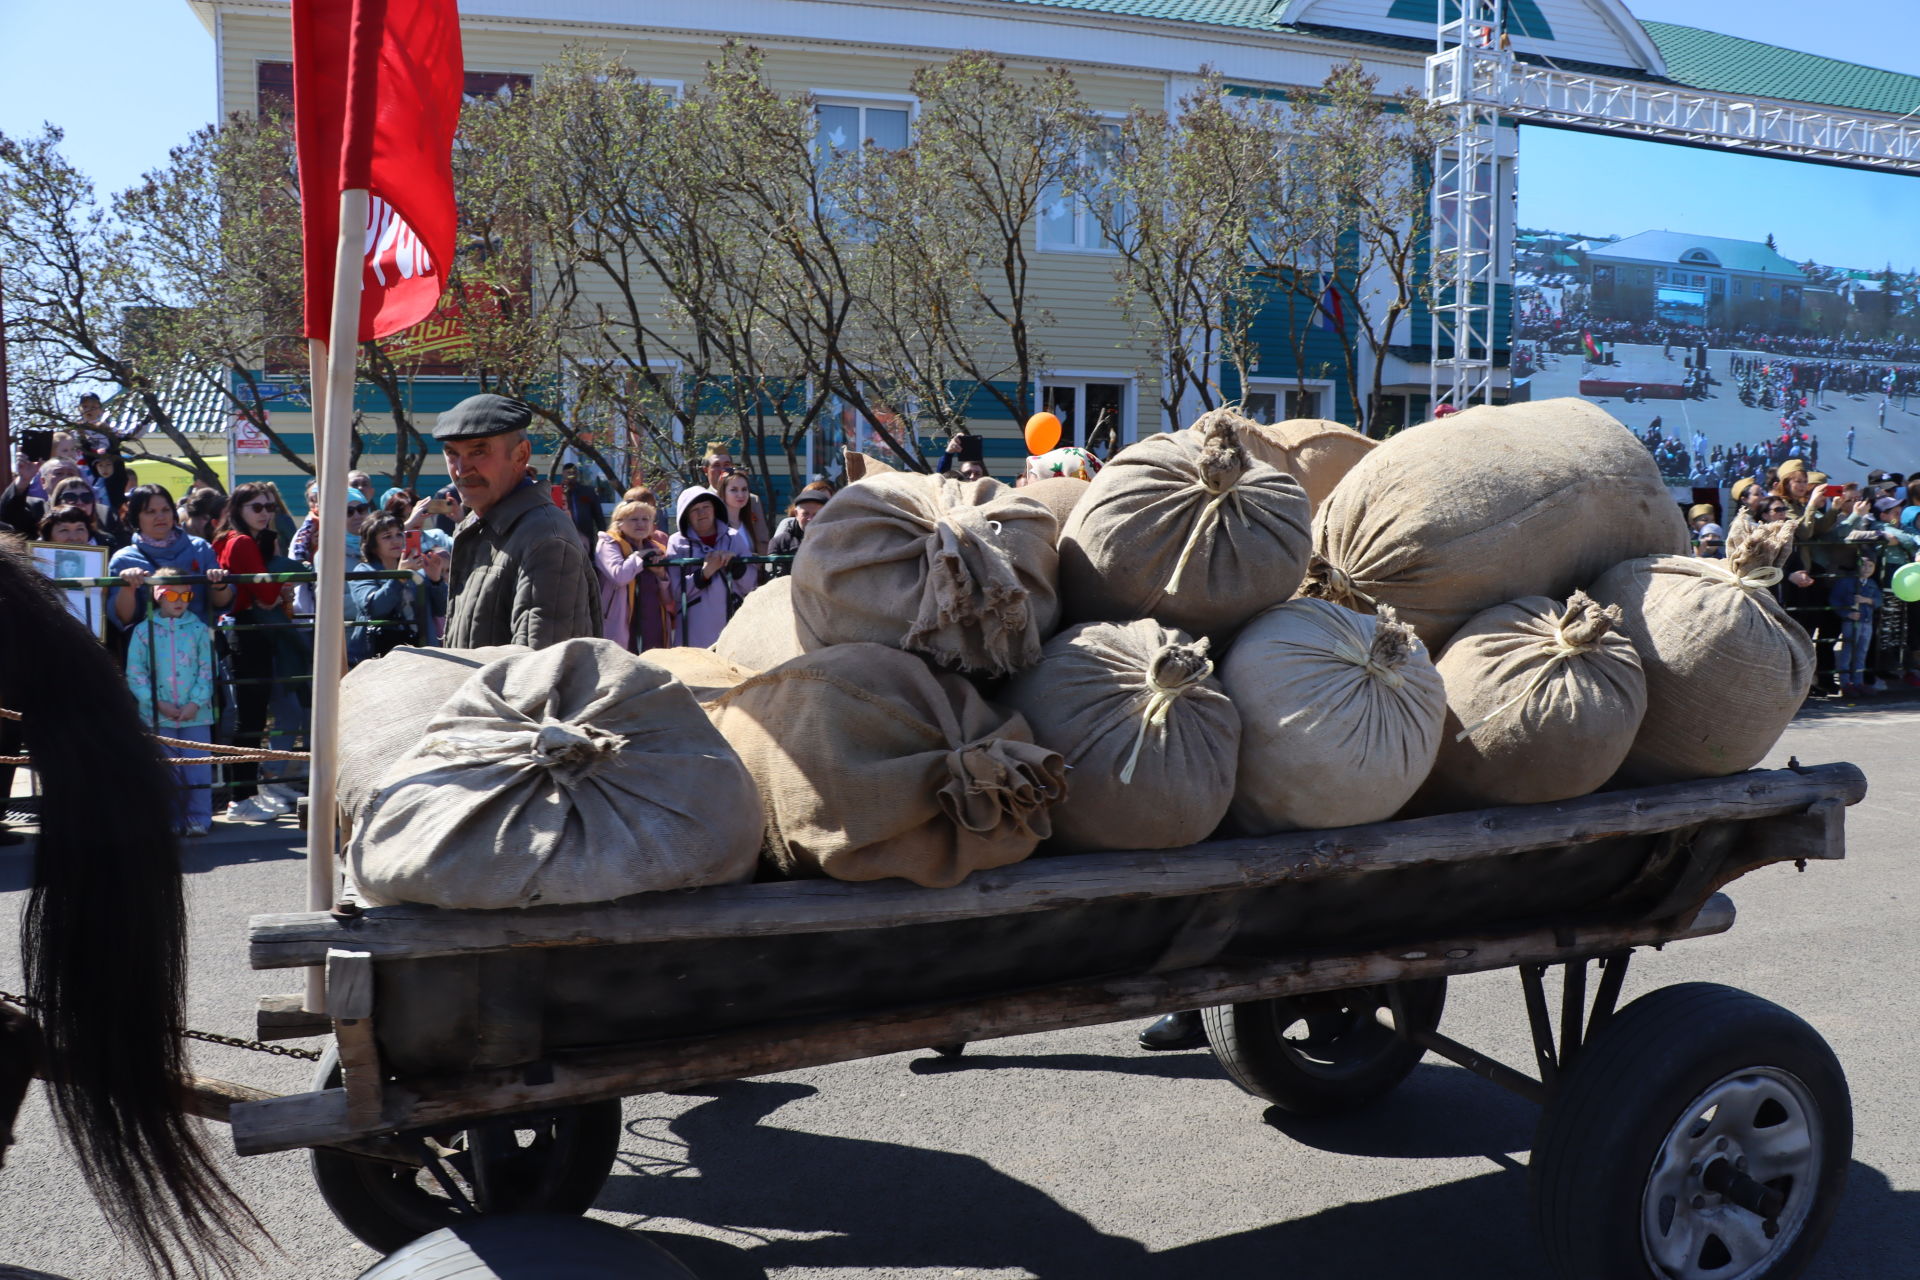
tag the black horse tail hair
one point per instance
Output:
(103, 943)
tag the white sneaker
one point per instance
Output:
(283, 792)
(250, 810)
(271, 803)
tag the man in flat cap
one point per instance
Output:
(520, 575)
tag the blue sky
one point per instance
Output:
(128, 79)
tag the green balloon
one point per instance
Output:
(1906, 582)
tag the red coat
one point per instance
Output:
(241, 554)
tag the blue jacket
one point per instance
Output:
(1856, 595)
(173, 658)
(186, 553)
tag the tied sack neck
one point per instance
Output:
(1393, 643)
(972, 588)
(1173, 671)
(1000, 781)
(1754, 562)
(570, 752)
(1578, 631)
(1221, 463)
(1327, 581)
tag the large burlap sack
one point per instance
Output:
(1060, 494)
(1489, 505)
(1543, 702)
(1316, 453)
(706, 674)
(1340, 717)
(961, 571)
(385, 704)
(1727, 669)
(766, 631)
(576, 773)
(1186, 528)
(1150, 739)
(871, 764)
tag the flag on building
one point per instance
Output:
(1327, 313)
(376, 99)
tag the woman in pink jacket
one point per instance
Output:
(636, 606)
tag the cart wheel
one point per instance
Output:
(1704, 1132)
(540, 1162)
(526, 1246)
(1325, 1053)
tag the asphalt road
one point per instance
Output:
(1074, 1155)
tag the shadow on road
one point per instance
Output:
(1441, 1112)
(810, 1200)
(1198, 1065)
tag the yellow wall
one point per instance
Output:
(1086, 333)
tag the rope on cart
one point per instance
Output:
(217, 752)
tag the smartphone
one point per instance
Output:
(1833, 490)
(36, 444)
(413, 542)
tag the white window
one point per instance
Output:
(1090, 405)
(1067, 224)
(846, 126)
(1271, 400)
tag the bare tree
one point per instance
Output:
(70, 274)
(990, 150)
(1366, 160)
(1180, 200)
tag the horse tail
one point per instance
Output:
(103, 943)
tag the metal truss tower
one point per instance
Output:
(1469, 72)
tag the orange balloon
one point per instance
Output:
(1043, 433)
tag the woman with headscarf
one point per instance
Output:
(707, 593)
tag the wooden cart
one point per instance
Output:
(1699, 1131)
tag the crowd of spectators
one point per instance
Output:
(1852, 537)
(1566, 329)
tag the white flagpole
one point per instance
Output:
(333, 412)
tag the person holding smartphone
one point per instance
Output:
(420, 608)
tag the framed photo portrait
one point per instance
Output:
(69, 560)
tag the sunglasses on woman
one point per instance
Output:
(75, 497)
(268, 507)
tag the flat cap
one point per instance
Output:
(478, 417)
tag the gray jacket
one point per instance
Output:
(520, 576)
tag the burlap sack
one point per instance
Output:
(765, 632)
(706, 674)
(1486, 506)
(1187, 529)
(1340, 717)
(961, 571)
(385, 705)
(1060, 494)
(872, 764)
(1727, 669)
(1148, 735)
(1315, 452)
(1543, 702)
(576, 773)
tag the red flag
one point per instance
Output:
(376, 93)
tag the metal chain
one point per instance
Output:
(210, 1037)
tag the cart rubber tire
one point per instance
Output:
(385, 1207)
(1629, 1119)
(530, 1246)
(1349, 1063)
